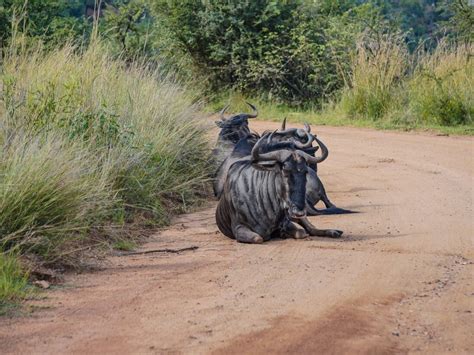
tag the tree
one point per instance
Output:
(461, 24)
(289, 51)
(52, 21)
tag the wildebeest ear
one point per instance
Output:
(219, 124)
(268, 164)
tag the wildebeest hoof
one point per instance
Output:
(334, 233)
(257, 240)
(300, 234)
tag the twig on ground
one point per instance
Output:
(194, 247)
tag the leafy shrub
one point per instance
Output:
(286, 51)
(52, 21)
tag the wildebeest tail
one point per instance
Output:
(312, 211)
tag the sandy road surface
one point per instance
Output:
(400, 280)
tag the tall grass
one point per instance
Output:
(13, 282)
(377, 69)
(425, 88)
(441, 89)
(89, 141)
(51, 192)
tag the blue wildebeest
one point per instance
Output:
(315, 190)
(233, 129)
(264, 194)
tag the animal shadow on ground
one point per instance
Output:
(348, 238)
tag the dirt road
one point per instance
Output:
(400, 280)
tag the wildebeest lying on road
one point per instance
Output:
(264, 194)
(315, 190)
(235, 141)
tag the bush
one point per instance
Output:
(288, 52)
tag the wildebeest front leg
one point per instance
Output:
(313, 231)
(292, 230)
(244, 235)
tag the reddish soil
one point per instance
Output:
(399, 280)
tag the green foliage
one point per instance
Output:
(124, 245)
(130, 28)
(461, 23)
(13, 282)
(285, 51)
(427, 87)
(51, 21)
(420, 20)
(293, 52)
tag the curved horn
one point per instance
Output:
(221, 113)
(308, 144)
(255, 111)
(283, 124)
(307, 157)
(307, 127)
(278, 155)
(324, 151)
(279, 145)
(270, 136)
(256, 148)
(287, 131)
(311, 150)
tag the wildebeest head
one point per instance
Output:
(235, 127)
(289, 159)
(302, 136)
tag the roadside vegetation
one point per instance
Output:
(92, 147)
(13, 282)
(426, 89)
(359, 63)
(101, 102)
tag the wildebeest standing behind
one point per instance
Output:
(265, 195)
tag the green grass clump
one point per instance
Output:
(13, 283)
(125, 245)
(51, 192)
